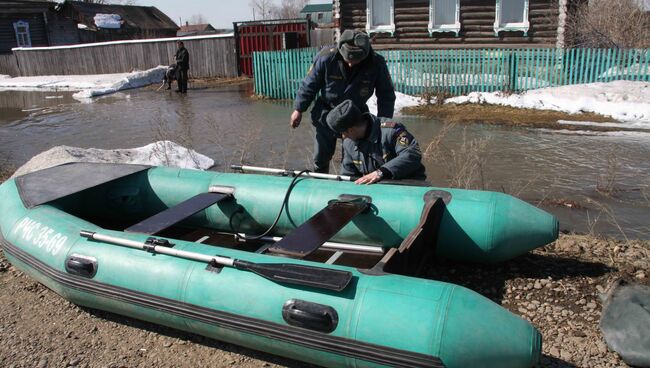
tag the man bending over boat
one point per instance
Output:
(375, 148)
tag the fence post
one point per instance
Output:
(512, 84)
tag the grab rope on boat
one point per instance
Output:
(277, 218)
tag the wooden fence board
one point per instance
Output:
(8, 65)
(209, 57)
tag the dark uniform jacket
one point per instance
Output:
(329, 76)
(183, 58)
(389, 146)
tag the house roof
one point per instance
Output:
(196, 28)
(16, 6)
(141, 17)
(317, 8)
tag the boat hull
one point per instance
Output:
(382, 320)
(476, 226)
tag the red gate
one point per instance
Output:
(268, 35)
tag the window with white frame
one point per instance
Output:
(444, 16)
(511, 15)
(380, 16)
(21, 28)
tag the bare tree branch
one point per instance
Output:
(609, 23)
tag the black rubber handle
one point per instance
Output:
(81, 266)
(310, 315)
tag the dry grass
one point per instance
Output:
(463, 163)
(219, 81)
(506, 115)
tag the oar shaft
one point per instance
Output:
(269, 170)
(358, 248)
(318, 277)
(159, 249)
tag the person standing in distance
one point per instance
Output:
(182, 66)
(350, 71)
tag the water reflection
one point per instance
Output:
(555, 170)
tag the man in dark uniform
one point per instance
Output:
(182, 66)
(351, 71)
(375, 148)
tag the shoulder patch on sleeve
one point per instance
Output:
(404, 138)
(389, 124)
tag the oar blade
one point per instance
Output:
(317, 277)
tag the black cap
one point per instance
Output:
(343, 116)
(354, 45)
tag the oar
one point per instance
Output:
(333, 246)
(310, 174)
(318, 277)
(269, 170)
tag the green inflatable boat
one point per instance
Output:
(318, 271)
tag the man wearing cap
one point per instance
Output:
(352, 71)
(375, 148)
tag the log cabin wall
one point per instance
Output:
(476, 19)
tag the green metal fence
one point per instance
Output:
(278, 74)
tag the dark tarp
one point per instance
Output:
(57, 182)
(625, 322)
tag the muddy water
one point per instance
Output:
(567, 174)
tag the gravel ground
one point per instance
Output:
(556, 288)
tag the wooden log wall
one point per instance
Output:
(209, 57)
(476, 19)
(37, 30)
(8, 65)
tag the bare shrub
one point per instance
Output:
(436, 97)
(619, 24)
(606, 210)
(606, 182)
(165, 132)
(464, 163)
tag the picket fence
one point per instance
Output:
(278, 74)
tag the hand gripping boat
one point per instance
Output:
(147, 243)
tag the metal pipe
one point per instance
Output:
(158, 249)
(269, 170)
(333, 246)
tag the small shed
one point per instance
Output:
(318, 14)
(196, 30)
(268, 35)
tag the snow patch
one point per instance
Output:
(604, 125)
(626, 101)
(401, 102)
(89, 85)
(618, 133)
(161, 153)
(132, 80)
(112, 21)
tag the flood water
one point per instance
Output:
(561, 172)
